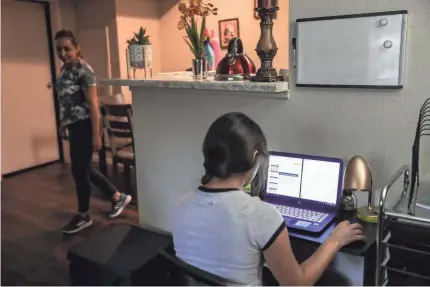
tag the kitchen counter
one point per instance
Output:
(171, 115)
(185, 81)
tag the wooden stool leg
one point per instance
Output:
(127, 178)
(102, 161)
(133, 186)
(115, 167)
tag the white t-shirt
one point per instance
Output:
(224, 232)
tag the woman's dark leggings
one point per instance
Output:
(81, 155)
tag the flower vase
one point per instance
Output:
(200, 69)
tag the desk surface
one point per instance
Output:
(358, 248)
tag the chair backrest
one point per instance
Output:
(182, 274)
(118, 122)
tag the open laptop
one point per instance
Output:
(306, 189)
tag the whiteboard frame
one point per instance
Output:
(361, 15)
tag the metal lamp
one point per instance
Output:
(358, 178)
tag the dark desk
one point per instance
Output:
(355, 263)
(121, 256)
(118, 257)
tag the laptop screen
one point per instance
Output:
(310, 179)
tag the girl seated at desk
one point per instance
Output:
(222, 230)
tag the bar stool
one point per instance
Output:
(118, 124)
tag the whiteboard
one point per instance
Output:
(364, 50)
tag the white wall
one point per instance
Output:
(92, 18)
(378, 125)
(68, 14)
(249, 28)
(130, 16)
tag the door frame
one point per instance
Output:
(48, 23)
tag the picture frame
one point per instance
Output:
(256, 14)
(228, 29)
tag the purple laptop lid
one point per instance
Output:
(301, 199)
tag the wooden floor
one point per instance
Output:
(34, 207)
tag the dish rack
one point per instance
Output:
(422, 130)
(403, 239)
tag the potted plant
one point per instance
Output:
(140, 50)
(193, 20)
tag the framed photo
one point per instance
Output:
(228, 29)
(256, 14)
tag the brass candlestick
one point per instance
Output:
(266, 46)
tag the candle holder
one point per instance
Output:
(266, 46)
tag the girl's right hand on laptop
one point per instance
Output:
(345, 233)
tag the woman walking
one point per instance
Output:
(80, 125)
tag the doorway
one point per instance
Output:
(29, 112)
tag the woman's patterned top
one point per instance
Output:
(73, 79)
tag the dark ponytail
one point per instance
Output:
(69, 35)
(206, 178)
(229, 148)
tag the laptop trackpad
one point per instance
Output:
(301, 223)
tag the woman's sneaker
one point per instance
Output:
(118, 206)
(78, 223)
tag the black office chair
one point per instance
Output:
(182, 274)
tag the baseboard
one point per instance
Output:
(109, 162)
(21, 171)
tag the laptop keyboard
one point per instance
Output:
(300, 213)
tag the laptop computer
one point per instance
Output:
(305, 189)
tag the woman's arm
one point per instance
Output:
(87, 81)
(63, 131)
(91, 96)
(284, 266)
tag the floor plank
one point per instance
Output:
(34, 207)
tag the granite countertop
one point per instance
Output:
(185, 81)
